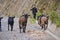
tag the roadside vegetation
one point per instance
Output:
(55, 18)
(32, 20)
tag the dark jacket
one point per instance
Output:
(34, 10)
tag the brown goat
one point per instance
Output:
(23, 22)
(43, 22)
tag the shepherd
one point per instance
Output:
(34, 11)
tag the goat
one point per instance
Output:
(0, 23)
(11, 22)
(23, 22)
(43, 21)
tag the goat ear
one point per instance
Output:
(14, 16)
(22, 15)
(9, 16)
(30, 9)
(1, 17)
(48, 17)
(28, 15)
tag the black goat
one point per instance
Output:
(11, 22)
(23, 22)
(0, 23)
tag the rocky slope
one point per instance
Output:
(14, 7)
(17, 7)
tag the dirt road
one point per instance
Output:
(33, 32)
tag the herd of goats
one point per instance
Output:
(42, 20)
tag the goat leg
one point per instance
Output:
(0, 28)
(20, 28)
(24, 29)
(41, 27)
(46, 27)
(12, 28)
(8, 27)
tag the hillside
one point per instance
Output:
(14, 7)
(17, 7)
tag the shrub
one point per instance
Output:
(53, 16)
(58, 22)
(32, 20)
(38, 14)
